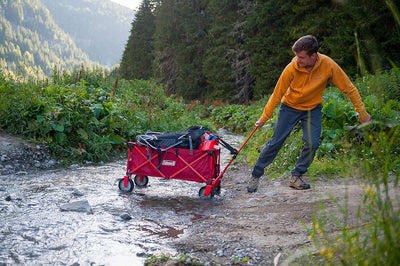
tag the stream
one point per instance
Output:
(118, 229)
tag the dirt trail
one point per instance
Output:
(260, 225)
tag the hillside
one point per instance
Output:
(99, 27)
(32, 43)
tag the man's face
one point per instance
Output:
(305, 60)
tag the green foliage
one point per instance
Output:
(338, 114)
(154, 260)
(85, 117)
(237, 118)
(183, 259)
(340, 120)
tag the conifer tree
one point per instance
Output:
(268, 42)
(166, 37)
(180, 44)
(220, 55)
(138, 55)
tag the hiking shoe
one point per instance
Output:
(297, 183)
(252, 186)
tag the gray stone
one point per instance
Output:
(77, 206)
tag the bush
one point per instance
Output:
(88, 118)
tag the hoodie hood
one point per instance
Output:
(302, 69)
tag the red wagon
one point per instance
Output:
(199, 164)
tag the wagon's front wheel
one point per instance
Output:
(128, 187)
(202, 193)
(141, 180)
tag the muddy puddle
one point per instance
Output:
(120, 228)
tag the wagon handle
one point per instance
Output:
(218, 179)
(244, 143)
(241, 147)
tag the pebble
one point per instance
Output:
(126, 217)
(77, 193)
(5, 143)
(220, 253)
(21, 173)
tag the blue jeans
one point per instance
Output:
(287, 119)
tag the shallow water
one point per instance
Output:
(35, 231)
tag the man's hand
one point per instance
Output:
(364, 119)
(259, 124)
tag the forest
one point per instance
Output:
(234, 51)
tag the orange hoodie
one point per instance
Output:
(303, 90)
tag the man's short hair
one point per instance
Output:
(306, 43)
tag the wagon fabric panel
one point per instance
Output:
(185, 164)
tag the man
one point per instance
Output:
(300, 89)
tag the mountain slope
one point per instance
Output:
(31, 43)
(99, 27)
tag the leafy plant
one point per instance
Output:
(83, 116)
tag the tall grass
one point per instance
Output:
(373, 236)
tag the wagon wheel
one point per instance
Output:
(217, 190)
(203, 190)
(129, 185)
(141, 180)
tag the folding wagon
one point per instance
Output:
(193, 155)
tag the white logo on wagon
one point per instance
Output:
(168, 163)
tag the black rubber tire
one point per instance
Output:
(202, 191)
(217, 190)
(143, 183)
(129, 186)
